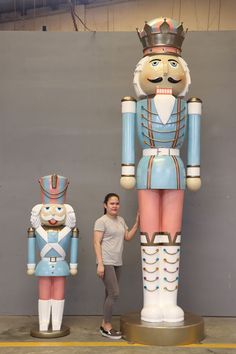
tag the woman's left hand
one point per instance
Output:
(137, 221)
(100, 270)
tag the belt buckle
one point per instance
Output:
(53, 259)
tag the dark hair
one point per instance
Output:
(107, 197)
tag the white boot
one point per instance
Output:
(169, 277)
(57, 314)
(44, 309)
(151, 312)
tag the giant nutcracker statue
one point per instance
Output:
(162, 118)
(53, 229)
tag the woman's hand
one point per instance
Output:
(137, 221)
(100, 270)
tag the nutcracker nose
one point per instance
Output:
(165, 69)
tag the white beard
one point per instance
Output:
(164, 105)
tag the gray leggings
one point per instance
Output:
(111, 282)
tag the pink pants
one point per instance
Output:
(52, 288)
(161, 211)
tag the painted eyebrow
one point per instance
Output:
(154, 60)
(173, 60)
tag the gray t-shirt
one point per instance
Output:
(113, 238)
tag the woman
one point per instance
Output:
(110, 231)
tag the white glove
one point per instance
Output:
(73, 271)
(127, 182)
(194, 184)
(35, 218)
(30, 271)
(70, 216)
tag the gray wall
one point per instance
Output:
(60, 112)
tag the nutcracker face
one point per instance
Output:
(162, 71)
(53, 214)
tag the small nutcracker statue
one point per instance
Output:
(162, 118)
(53, 230)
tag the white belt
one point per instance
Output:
(53, 259)
(161, 152)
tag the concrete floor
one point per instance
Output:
(15, 338)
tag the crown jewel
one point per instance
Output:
(162, 35)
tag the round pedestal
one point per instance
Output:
(64, 331)
(189, 331)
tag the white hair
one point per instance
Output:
(70, 216)
(139, 68)
(35, 217)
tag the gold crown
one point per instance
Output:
(163, 36)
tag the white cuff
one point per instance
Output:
(193, 171)
(31, 265)
(73, 265)
(128, 170)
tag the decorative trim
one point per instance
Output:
(150, 254)
(160, 152)
(128, 175)
(171, 290)
(150, 263)
(158, 140)
(177, 124)
(156, 114)
(194, 99)
(128, 98)
(75, 232)
(177, 171)
(171, 254)
(149, 172)
(151, 240)
(127, 164)
(150, 271)
(152, 280)
(171, 281)
(150, 290)
(176, 261)
(150, 134)
(31, 232)
(171, 272)
(162, 132)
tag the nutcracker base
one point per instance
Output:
(64, 331)
(189, 331)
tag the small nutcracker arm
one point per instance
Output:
(74, 251)
(193, 159)
(31, 251)
(127, 180)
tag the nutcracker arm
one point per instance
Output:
(31, 256)
(128, 142)
(193, 156)
(74, 251)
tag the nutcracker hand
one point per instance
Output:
(73, 271)
(194, 184)
(127, 182)
(30, 271)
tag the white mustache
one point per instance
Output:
(55, 217)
